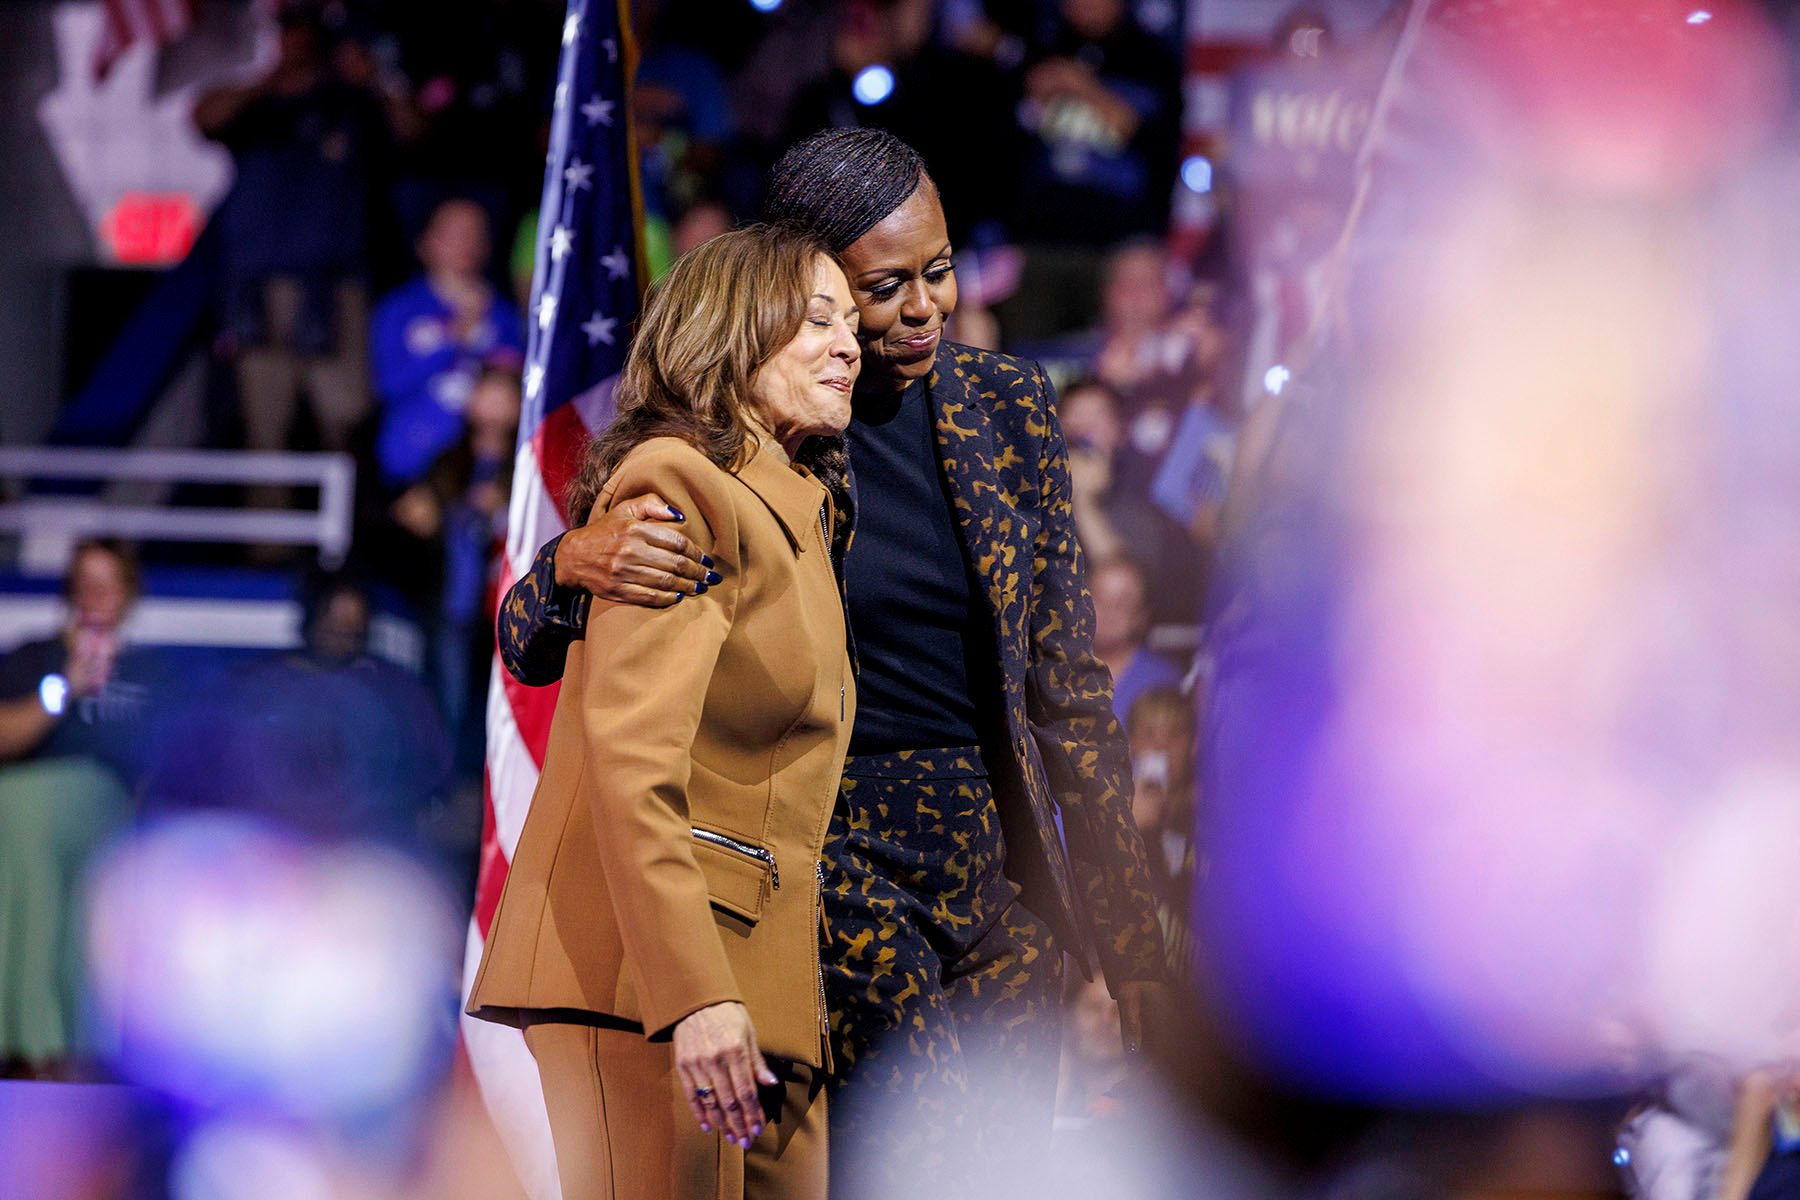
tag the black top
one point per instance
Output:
(923, 634)
(113, 725)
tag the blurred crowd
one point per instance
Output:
(375, 254)
(377, 247)
(381, 314)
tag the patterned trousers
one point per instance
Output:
(944, 991)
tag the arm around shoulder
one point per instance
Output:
(538, 620)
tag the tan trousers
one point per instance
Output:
(272, 376)
(623, 1129)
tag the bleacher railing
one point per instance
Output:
(49, 525)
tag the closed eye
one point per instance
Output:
(888, 288)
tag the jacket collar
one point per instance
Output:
(791, 494)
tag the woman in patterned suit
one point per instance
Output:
(983, 713)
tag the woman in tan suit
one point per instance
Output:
(658, 938)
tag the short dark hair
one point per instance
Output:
(320, 587)
(1093, 383)
(840, 183)
(122, 552)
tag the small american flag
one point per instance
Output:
(129, 22)
(585, 295)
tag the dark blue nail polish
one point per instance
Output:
(677, 513)
(713, 577)
(706, 560)
(699, 589)
(678, 596)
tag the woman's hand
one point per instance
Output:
(720, 1067)
(634, 554)
(1144, 1014)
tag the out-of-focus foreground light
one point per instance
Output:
(235, 1160)
(243, 968)
(68, 1140)
(1276, 378)
(1197, 173)
(872, 85)
(1502, 764)
(1150, 1145)
(766, 6)
(1610, 99)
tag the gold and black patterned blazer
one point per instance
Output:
(1004, 459)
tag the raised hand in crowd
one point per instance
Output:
(1068, 81)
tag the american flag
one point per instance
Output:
(585, 295)
(131, 21)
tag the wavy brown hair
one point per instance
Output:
(724, 309)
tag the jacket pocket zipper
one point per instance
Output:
(744, 848)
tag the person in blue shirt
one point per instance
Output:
(431, 340)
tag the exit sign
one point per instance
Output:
(150, 228)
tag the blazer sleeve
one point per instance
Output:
(1083, 749)
(647, 675)
(539, 619)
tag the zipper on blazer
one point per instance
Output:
(824, 1017)
(744, 848)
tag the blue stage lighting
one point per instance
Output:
(1197, 173)
(872, 85)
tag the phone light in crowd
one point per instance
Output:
(1699, 17)
(53, 694)
(1197, 173)
(1276, 378)
(872, 85)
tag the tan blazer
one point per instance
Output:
(669, 857)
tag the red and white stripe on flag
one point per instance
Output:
(518, 723)
(129, 22)
(585, 297)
